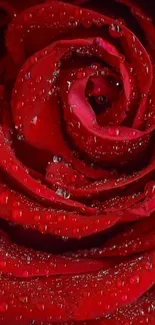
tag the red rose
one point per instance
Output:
(77, 160)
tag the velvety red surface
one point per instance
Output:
(77, 162)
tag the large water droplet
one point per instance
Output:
(57, 159)
(63, 193)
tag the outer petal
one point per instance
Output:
(100, 293)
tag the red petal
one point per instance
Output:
(23, 262)
(10, 164)
(139, 237)
(19, 209)
(101, 293)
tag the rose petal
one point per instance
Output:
(97, 290)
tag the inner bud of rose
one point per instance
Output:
(102, 90)
(61, 77)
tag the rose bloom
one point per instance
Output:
(77, 162)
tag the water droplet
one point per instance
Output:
(115, 30)
(33, 59)
(3, 307)
(17, 214)
(4, 198)
(47, 272)
(34, 120)
(40, 307)
(120, 284)
(87, 23)
(100, 99)
(19, 105)
(135, 279)
(57, 159)
(63, 193)
(114, 131)
(28, 75)
(14, 167)
(25, 274)
(147, 69)
(2, 264)
(66, 195)
(99, 22)
(148, 265)
(27, 17)
(37, 190)
(117, 131)
(117, 84)
(133, 133)
(38, 79)
(67, 55)
(16, 204)
(81, 74)
(150, 189)
(73, 24)
(124, 298)
(37, 218)
(23, 299)
(19, 317)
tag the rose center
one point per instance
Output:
(102, 92)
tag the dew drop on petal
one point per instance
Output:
(3, 264)
(33, 59)
(40, 307)
(17, 214)
(37, 218)
(115, 30)
(150, 189)
(34, 120)
(124, 298)
(3, 307)
(57, 159)
(28, 75)
(23, 299)
(38, 79)
(4, 198)
(120, 284)
(87, 23)
(148, 265)
(19, 104)
(25, 274)
(63, 193)
(113, 131)
(135, 279)
(14, 167)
